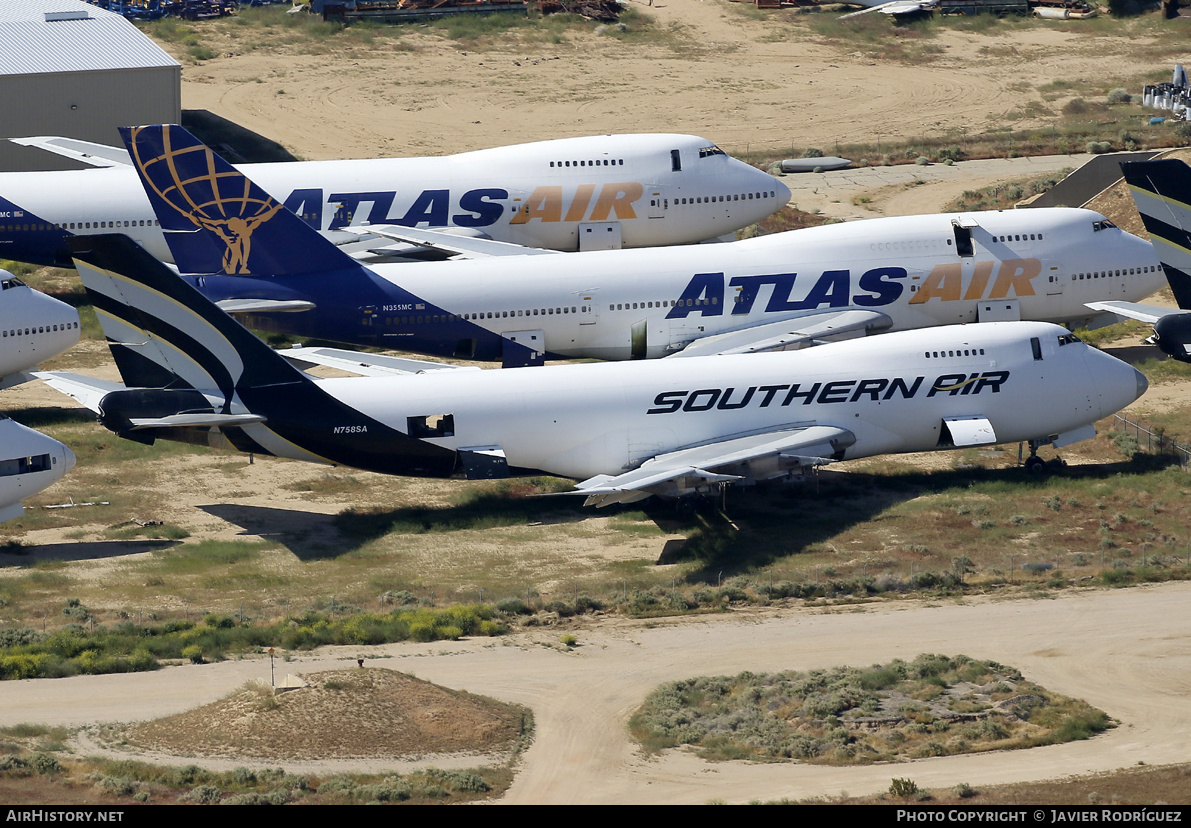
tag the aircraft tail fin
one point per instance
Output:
(1162, 192)
(195, 374)
(215, 219)
(162, 332)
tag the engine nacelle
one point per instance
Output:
(1172, 333)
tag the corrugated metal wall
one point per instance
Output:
(85, 105)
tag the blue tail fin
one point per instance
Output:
(1162, 192)
(215, 219)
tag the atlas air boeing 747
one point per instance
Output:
(598, 192)
(777, 292)
(625, 430)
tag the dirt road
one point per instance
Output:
(1127, 652)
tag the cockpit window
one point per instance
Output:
(11, 283)
(1068, 339)
(704, 152)
(1097, 226)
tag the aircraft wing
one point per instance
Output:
(97, 155)
(368, 365)
(468, 247)
(754, 456)
(788, 334)
(87, 391)
(234, 306)
(1134, 310)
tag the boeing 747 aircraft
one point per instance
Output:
(776, 292)
(33, 328)
(29, 462)
(600, 192)
(626, 430)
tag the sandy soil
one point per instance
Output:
(746, 82)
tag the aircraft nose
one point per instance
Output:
(1118, 384)
(783, 193)
(68, 459)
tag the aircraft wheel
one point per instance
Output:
(1035, 464)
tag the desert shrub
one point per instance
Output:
(116, 785)
(952, 153)
(14, 766)
(202, 795)
(44, 763)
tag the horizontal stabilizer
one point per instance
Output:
(234, 306)
(87, 391)
(367, 365)
(196, 421)
(97, 155)
(467, 247)
(789, 333)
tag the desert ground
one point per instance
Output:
(749, 81)
(750, 84)
(1126, 652)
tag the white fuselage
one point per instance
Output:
(34, 327)
(29, 462)
(1040, 264)
(566, 194)
(893, 393)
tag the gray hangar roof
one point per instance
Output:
(51, 36)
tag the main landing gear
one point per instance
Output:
(1035, 464)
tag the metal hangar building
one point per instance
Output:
(71, 69)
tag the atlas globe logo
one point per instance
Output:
(218, 202)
